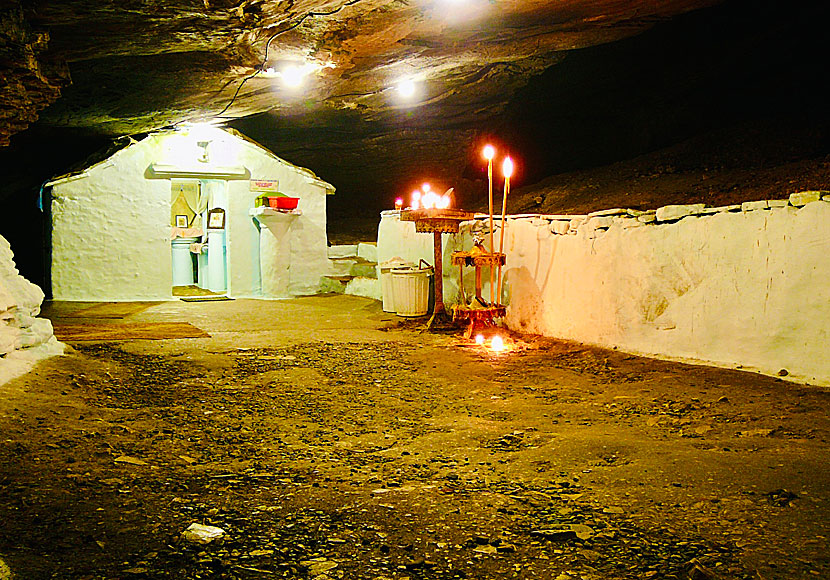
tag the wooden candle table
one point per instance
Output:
(479, 313)
(437, 222)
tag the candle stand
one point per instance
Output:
(479, 313)
(437, 222)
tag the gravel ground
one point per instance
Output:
(345, 446)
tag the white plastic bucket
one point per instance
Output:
(386, 292)
(411, 291)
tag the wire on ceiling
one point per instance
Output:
(308, 15)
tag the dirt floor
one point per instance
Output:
(328, 441)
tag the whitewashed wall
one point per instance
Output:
(737, 287)
(111, 232)
(307, 237)
(24, 337)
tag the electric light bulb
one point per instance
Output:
(293, 76)
(406, 88)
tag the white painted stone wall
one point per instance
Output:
(111, 223)
(307, 235)
(736, 287)
(111, 230)
(24, 338)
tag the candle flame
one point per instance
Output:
(427, 199)
(507, 167)
(430, 200)
(399, 203)
(489, 152)
(479, 339)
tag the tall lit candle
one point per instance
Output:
(490, 152)
(507, 171)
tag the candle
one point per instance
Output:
(490, 152)
(399, 203)
(507, 171)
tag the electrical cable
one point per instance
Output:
(311, 14)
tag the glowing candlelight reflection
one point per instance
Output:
(497, 344)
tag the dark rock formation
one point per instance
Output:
(28, 83)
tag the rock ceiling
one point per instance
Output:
(115, 67)
(135, 65)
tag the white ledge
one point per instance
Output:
(264, 211)
(164, 171)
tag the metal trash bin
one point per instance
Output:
(410, 288)
(386, 292)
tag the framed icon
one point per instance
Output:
(181, 221)
(216, 219)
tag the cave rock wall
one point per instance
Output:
(24, 337)
(741, 286)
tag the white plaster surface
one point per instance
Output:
(24, 338)
(366, 287)
(732, 289)
(275, 252)
(111, 223)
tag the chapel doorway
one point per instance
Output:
(198, 238)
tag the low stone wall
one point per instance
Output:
(24, 338)
(742, 286)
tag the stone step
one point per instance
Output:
(343, 251)
(352, 267)
(334, 284)
(366, 250)
(354, 285)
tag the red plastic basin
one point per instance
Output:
(287, 202)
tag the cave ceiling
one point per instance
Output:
(116, 67)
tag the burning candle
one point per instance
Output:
(479, 339)
(490, 152)
(399, 203)
(507, 171)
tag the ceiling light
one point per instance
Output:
(406, 88)
(293, 76)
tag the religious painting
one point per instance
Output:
(216, 219)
